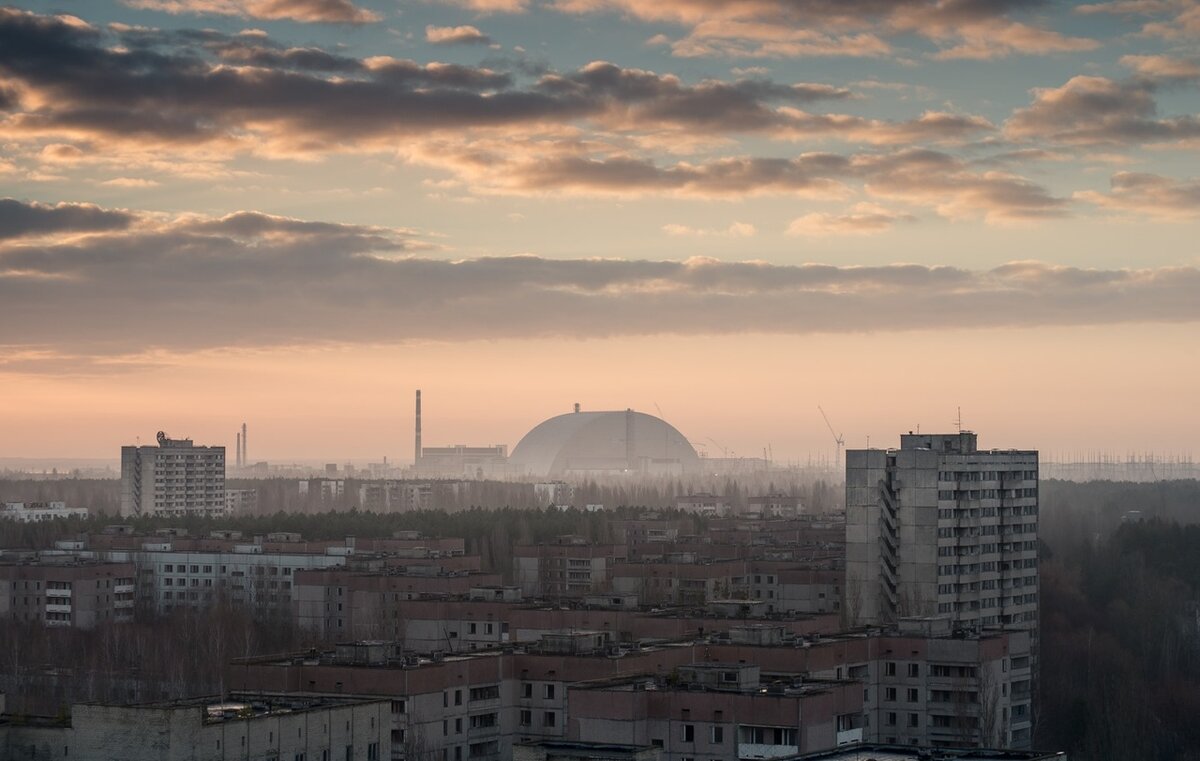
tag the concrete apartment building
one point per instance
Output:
(940, 527)
(174, 478)
(180, 571)
(717, 710)
(395, 496)
(793, 693)
(63, 592)
(568, 567)
(36, 512)
(229, 728)
(783, 587)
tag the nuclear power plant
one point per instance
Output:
(574, 444)
(586, 443)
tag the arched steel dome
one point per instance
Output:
(603, 442)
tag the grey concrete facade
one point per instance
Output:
(940, 528)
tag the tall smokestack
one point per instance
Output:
(417, 447)
(245, 457)
(238, 456)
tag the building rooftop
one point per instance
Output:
(871, 752)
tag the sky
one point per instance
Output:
(294, 213)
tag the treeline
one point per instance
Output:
(1120, 655)
(44, 670)
(103, 497)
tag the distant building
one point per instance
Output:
(939, 527)
(174, 478)
(592, 443)
(326, 489)
(703, 504)
(557, 493)
(66, 592)
(241, 501)
(395, 496)
(36, 512)
(773, 506)
(461, 461)
(569, 566)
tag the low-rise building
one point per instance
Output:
(36, 512)
(223, 728)
(718, 710)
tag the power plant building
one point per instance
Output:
(597, 443)
(174, 478)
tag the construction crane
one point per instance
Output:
(838, 439)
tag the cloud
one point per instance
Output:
(493, 6)
(246, 93)
(130, 182)
(951, 186)
(305, 11)
(20, 219)
(1162, 68)
(981, 29)
(261, 280)
(1149, 195)
(862, 219)
(1173, 19)
(1090, 110)
(735, 230)
(455, 35)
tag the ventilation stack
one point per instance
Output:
(417, 443)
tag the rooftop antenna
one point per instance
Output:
(958, 420)
(838, 439)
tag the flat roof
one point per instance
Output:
(873, 752)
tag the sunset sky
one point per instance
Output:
(296, 212)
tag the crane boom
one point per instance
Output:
(836, 437)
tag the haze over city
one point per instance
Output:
(297, 212)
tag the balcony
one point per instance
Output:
(59, 593)
(58, 607)
(748, 751)
(848, 736)
(123, 589)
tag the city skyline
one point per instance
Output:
(294, 213)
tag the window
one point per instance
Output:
(889, 694)
(549, 692)
(914, 670)
(718, 735)
(889, 668)
(891, 719)
(458, 697)
(913, 697)
(527, 689)
(548, 719)
(491, 692)
(526, 718)
(689, 733)
(914, 720)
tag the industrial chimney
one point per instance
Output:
(417, 446)
(245, 456)
(577, 406)
(238, 456)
